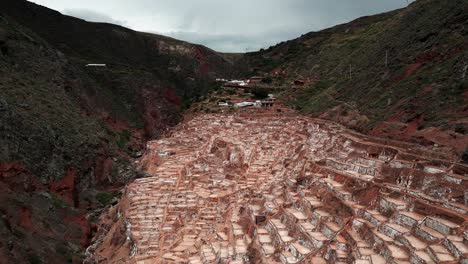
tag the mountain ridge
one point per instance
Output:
(397, 74)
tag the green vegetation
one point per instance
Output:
(267, 80)
(34, 259)
(464, 157)
(70, 255)
(105, 198)
(315, 98)
(122, 138)
(187, 103)
(17, 232)
(260, 93)
(57, 201)
(404, 64)
(231, 92)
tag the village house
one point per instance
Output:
(255, 79)
(95, 65)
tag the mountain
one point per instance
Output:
(68, 132)
(401, 74)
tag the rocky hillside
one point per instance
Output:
(401, 74)
(68, 132)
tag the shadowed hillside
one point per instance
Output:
(67, 132)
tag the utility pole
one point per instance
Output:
(464, 70)
(350, 72)
(386, 58)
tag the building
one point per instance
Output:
(256, 79)
(95, 65)
(244, 104)
(236, 83)
(225, 104)
(269, 102)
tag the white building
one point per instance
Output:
(96, 65)
(244, 104)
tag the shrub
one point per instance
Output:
(260, 93)
(105, 198)
(464, 157)
(267, 80)
(122, 138)
(231, 92)
(459, 128)
(33, 259)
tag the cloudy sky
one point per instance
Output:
(224, 25)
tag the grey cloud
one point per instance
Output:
(226, 25)
(246, 25)
(233, 42)
(93, 16)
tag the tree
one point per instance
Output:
(260, 93)
(267, 80)
(464, 157)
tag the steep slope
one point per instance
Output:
(67, 131)
(401, 74)
(138, 62)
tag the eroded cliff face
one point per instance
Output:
(267, 187)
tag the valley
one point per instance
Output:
(344, 145)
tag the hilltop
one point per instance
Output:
(401, 74)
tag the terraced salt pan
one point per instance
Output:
(282, 188)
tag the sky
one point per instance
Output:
(224, 25)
